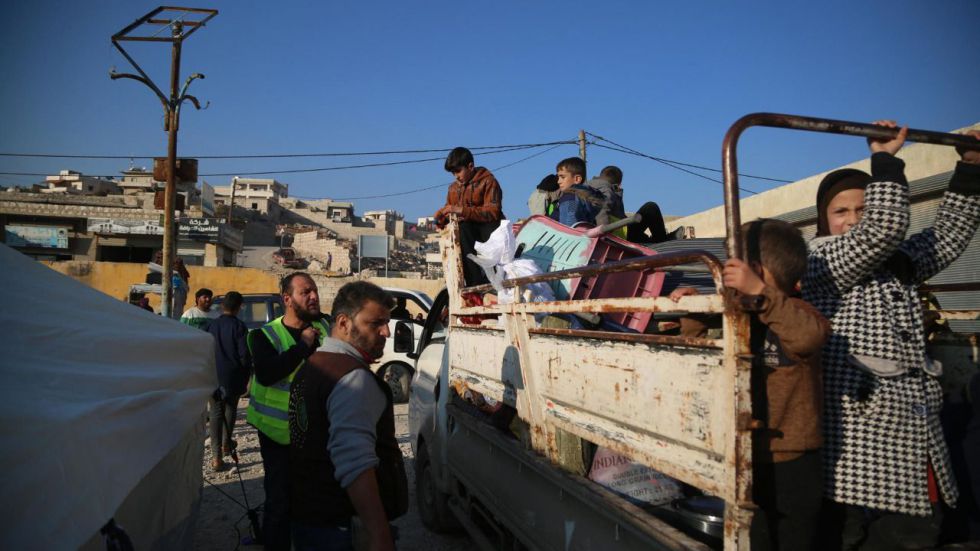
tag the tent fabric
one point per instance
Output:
(94, 393)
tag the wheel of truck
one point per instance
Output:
(399, 378)
(433, 504)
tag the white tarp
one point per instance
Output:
(94, 395)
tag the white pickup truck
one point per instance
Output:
(681, 406)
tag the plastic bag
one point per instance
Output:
(496, 257)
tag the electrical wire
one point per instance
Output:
(691, 172)
(285, 155)
(673, 162)
(500, 149)
(427, 188)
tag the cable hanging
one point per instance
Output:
(283, 155)
(499, 149)
(672, 162)
(691, 172)
(427, 188)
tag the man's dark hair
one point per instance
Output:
(458, 158)
(232, 301)
(779, 247)
(286, 283)
(203, 292)
(613, 174)
(574, 165)
(354, 295)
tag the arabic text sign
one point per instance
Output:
(199, 228)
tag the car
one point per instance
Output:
(258, 309)
(407, 319)
(288, 259)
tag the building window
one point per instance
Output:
(255, 206)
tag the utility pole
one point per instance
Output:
(171, 108)
(581, 144)
(231, 200)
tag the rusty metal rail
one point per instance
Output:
(733, 217)
(628, 337)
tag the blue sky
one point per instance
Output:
(664, 78)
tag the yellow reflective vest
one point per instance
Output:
(268, 407)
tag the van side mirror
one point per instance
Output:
(404, 337)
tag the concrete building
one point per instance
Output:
(426, 223)
(386, 219)
(337, 211)
(76, 183)
(257, 194)
(115, 228)
(138, 180)
(333, 254)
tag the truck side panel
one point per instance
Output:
(544, 507)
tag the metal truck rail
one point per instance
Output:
(679, 405)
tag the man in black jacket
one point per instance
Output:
(233, 362)
(344, 459)
(278, 349)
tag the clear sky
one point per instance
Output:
(663, 78)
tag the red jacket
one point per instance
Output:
(480, 197)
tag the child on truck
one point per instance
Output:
(787, 335)
(577, 203)
(886, 463)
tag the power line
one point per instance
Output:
(427, 188)
(498, 149)
(672, 162)
(283, 155)
(369, 165)
(668, 163)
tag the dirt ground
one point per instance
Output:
(222, 523)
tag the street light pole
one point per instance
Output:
(170, 191)
(171, 108)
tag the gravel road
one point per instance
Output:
(222, 524)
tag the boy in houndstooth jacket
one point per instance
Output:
(885, 458)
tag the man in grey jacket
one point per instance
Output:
(344, 457)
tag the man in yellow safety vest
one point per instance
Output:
(278, 350)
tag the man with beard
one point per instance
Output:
(278, 350)
(344, 457)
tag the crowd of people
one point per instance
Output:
(325, 420)
(852, 454)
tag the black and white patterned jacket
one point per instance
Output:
(881, 418)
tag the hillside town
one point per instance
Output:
(249, 223)
(366, 291)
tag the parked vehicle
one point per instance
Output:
(397, 368)
(679, 405)
(257, 309)
(288, 259)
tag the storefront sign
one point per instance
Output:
(47, 237)
(199, 228)
(123, 226)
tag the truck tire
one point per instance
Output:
(399, 378)
(433, 504)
